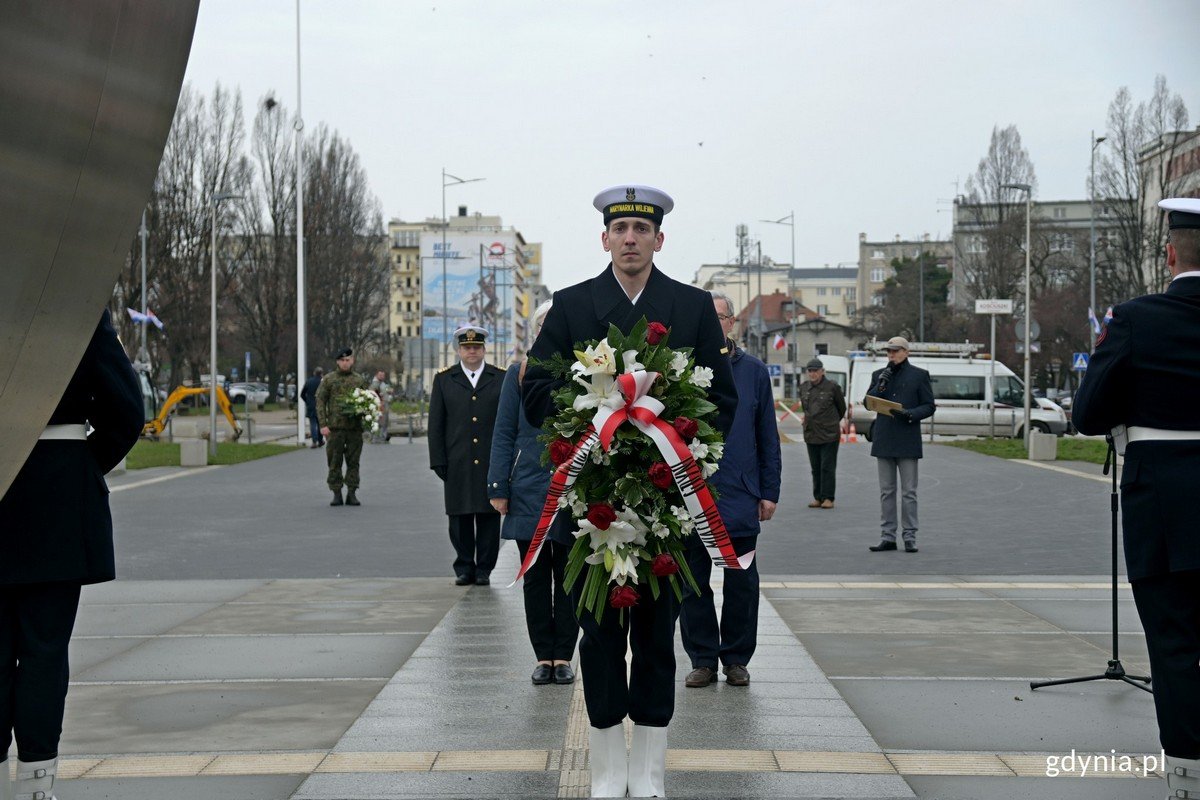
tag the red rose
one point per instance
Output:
(560, 451)
(687, 428)
(664, 565)
(601, 515)
(623, 597)
(660, 474)
(655, 331)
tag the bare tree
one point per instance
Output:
(993, 218)
(264, 283)
(901, 308)
(346, 249)
(1132, 174)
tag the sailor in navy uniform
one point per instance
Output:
(55, 536)
(462, 414)
(1145, 375)
(630, 288)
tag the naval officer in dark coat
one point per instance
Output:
(630, 288)
(1145, 375)
(55, 536)
(462, 413)
(896, 442)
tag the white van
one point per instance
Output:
(961, 384)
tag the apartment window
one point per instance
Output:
(851, 294)
(823, 310)
(837, 291)
(820, 291)
(975, 244)
(877, 301)
(1062, 243)
(1060, 212)
(877, 275)
(877, 254)
(851, 309)
(399, 307)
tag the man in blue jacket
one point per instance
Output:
(896, 441)
(748, 485)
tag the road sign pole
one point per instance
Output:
(992, 393)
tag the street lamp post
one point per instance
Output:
(454, 181)
(1028, 190)
(301, 323)
(1096, 140)
(212, 360)
(790, 221)
(143, 232)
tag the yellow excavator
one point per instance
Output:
(154, 428)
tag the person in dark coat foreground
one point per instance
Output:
(896, 441)
(747, 483)
(1145, 376)
(55, 536)
(630, 288)
(517, 487)
(462, 414)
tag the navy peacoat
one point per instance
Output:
(910, 387)
(515, 471)
(750, 467)
(461, 419)
(55, 523)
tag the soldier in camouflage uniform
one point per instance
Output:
(344, 436)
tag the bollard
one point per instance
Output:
(193, 453)
(1042, 446)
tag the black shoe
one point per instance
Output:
(563, 674)
(737, 675)
(700, 677)
(337, 498)
(483, 580)
(884, 545)
(463, 580)
(542, 675)
(910, 547)
(351, 500)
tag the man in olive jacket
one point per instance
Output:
(343, 434)
(824, 406)
(896, 441)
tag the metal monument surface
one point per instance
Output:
(87, 94)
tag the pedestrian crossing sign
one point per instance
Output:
(1080, 362)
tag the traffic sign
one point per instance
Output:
(1035, 330)
(1079, 362)
(775, 370)
(993, 306)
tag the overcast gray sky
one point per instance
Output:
(858, 115)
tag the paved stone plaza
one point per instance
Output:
(263, 645)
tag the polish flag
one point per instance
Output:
(779, 341)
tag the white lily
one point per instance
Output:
(618, 533)
(679, 363)
(624, 568)
(601, 391)
(630, 517)
(702, 377)
(698, 449)
(681, 513)
(715, 451)
(598, 360)
(629, 359)
(660, 530)
(707, 468)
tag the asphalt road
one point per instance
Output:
(271, 519)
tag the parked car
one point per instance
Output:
(256, 392)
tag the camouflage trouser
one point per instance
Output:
(348, 445)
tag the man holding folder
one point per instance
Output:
(901, 394)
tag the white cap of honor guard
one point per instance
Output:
(632, 200)
(1184, 212)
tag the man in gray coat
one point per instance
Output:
(896, 441)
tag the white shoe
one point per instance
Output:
(6, 788)
(1183, 778)
(648, 762)
(35, 780)
(610, 770)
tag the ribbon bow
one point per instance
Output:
(639, 408)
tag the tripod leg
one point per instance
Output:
(1035, 685)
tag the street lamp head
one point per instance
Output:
(1024, 187)
(1098, 140)
(219, 196)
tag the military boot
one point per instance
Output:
(337, 498)
(352, 499)
(35, 779)
(1183, 777)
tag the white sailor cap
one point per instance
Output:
(632, 200)
(471, 334)
(1183, 212)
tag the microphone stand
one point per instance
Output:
(1115, 671)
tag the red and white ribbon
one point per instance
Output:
(642, 411)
